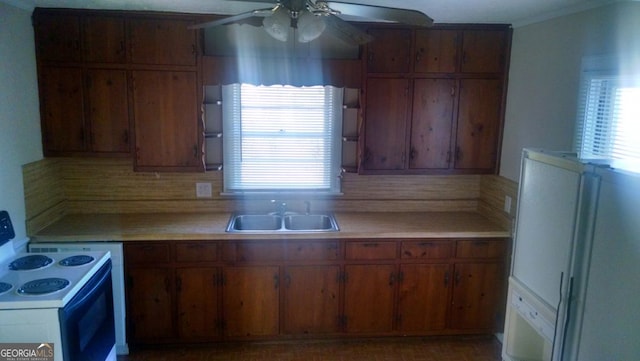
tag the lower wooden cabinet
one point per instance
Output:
(311, 299)
(150, 306)
(251, 301)
(197, 303)
(204, 291)
(423, 297)
(369, 298)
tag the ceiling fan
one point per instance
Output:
(310, 18)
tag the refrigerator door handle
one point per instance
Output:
(566, 320)
(555, 326)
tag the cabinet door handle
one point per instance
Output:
(457, 278)
(276, 281)
(446, 278)
(178, 284)
(392, 279)
(287, 280)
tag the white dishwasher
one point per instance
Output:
(117, 275)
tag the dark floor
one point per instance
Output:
(476, 348)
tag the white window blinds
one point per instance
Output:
(609, 118)
(281, 138)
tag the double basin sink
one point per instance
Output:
(270, 223)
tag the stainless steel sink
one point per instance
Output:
(255, 222)
(314, 222)
(270, 223)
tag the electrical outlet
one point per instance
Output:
(203, 190)
(507, 204)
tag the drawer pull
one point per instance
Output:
(426, 244)
(370, 244)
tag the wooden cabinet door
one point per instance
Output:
(107, 110)
(104, 39)
(150, 304)
(369, 298)
(162, 42)
(61, 97)
(251, 301)
(478, 124)
(57, 37)
(311, 299)
(197, 300)
(386, 124)
(477, 291)
(431, 123)
(436, 51)
(389, 51)
(165, 115)
(423, 297)
(483, 51)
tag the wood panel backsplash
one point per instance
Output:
(57, 186)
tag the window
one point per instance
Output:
(609, 116)
(282, 138)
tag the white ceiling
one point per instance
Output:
(516, 12)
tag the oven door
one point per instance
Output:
(87, 321)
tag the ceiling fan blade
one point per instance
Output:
(235, 18)
(405, 16)
(345, 31)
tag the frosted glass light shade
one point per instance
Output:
(310, 26)
(277, 25)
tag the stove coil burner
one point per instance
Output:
(30, 262)
(5, 287)
(43, 286)
(78, 260)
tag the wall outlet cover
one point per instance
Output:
(203, 190)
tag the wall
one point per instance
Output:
(19, 110)
(545, 70)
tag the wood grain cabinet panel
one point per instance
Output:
(424, 293)
(389, 51)
(165, 112)
(436, 51)
(62, 107)
(324, 250)
(104, 39)
(196, 252)
(478, 124)
(426, 249)
(150, 310)
(311, 300)
(57, 37)
(477, 293)
(432, 123)
(251, 301)
(369, 296)
(387, 102)
(481, 248)
(162, 42)
(107, 111)
(483, 51)
(370, 250)
(197, 302)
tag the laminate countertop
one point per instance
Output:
(211, 226)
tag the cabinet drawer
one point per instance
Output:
(196, 252)
(254, 251)
(145, 253)
(480, 249)
(371, 250)
(313, 250)
(426, 249)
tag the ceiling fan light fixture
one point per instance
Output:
(310, 26)
(278, 24)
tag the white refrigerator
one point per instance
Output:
(574, 289)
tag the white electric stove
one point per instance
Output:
(63, 300)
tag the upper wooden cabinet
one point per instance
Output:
(57, 37)
(390, 51)
(436, 51)
(104, 39)
(165, 113)
(162, 42)
(440, 110)
(483, 51)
